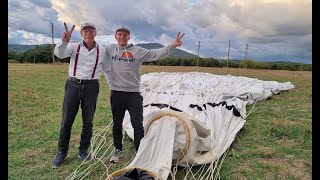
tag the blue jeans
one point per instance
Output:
(86, 95)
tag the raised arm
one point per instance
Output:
(156, 54)
(61, 50)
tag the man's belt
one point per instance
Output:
(80, 81)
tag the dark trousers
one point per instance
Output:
(86, 95)
(120, 102)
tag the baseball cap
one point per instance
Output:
(123, 29)
(87, 24)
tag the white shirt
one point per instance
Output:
(86, 59)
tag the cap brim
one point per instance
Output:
(126, 30)
(89, 26)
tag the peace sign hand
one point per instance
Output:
(66, 36)
(178, 41)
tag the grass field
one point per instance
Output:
(275, 142)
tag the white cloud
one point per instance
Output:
(263, 24)
(23, 37)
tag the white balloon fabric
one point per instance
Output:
(192, 118)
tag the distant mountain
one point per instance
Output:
(21, 47)
(176, 53)
(150, 45)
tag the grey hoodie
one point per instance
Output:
(126, 62)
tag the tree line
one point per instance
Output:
(40, 54)
(43, 54)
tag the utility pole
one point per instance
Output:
(228, 55)
(246, 55)
(301, 63)
(52, 43)
(198, 54)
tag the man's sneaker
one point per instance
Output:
(84, 156)
(58, 159)
(116, 156)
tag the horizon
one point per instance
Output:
(270, 61)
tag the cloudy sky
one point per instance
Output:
(273, 29)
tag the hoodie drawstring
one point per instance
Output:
(126, 54)
(117, 47)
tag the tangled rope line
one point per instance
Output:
(100, 146)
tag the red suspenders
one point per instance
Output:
(76, 61)
(95, 66)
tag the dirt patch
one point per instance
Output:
(266, 152)
(289, 168)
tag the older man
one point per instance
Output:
(81, 88)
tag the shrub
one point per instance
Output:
(247, 63)
(12, 61)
